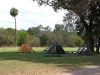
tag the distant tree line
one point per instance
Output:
(41, 36)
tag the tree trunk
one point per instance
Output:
(88, 28)
(15, 34)
(90, 40)
(98, 45)
(91, 44)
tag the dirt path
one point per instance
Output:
(88, 70)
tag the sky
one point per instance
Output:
(30, 15)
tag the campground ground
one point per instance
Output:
(36, 63)
(88, 70)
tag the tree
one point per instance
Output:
(44, 40)
(84, 9)
(92, 19)
(22, 37)
(59, 27)
(59, 34)
(34, 30)
(47, 28)
(97, 38)
(10, 31)
(14, 13)
(6, 39)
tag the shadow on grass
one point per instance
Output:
(39, 57)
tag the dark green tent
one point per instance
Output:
(55, 49)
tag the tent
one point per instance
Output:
(55, 49)
(25, 48)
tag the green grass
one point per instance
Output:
(39, 63)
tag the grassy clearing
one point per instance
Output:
(36, 63)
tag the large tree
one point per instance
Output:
(84, 9)
(14, 13)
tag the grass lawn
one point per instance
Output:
(36, 63)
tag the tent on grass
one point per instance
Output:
(56, 49)
(25, 48)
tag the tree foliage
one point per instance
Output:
(44, 40)
(22, 38)
(13, 12)
(6, 38)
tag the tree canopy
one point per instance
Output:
(88, 12)
(13, 12)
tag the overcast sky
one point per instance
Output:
(29, 14)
